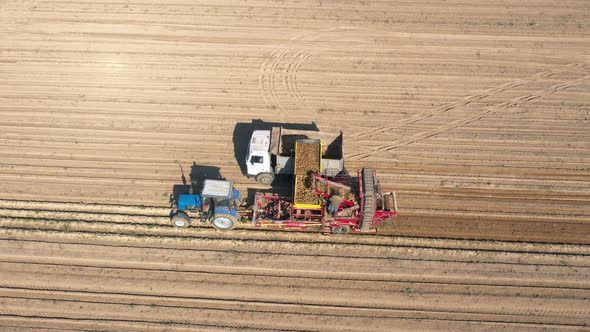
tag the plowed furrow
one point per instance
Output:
(252, 316)
(254, 290)
(476, 113)
(50, 232)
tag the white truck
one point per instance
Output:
(270, 153)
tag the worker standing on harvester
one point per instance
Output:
(335, 202)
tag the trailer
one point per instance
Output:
(271, 153)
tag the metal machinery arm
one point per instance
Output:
(368, 198)
(324, 187)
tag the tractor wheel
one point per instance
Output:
(342, 229)
(265, 178)
(224, 221)
(180, 219)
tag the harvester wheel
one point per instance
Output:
(224, 221)
(265, 178)
(180, 219)
(342, 229)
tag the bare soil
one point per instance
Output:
(475, 112)
(470, 111)
(88, 280)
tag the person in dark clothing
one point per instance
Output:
(335, 202)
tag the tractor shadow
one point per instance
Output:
(197, 176)
(200, 173)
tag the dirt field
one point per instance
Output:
(475, 113)
(112, 270)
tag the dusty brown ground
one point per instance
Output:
(476, 113)
(157, 277)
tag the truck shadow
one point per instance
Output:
(282, 186)
(243, 131)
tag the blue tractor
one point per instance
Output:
(217, 204)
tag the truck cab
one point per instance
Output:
(258, 158)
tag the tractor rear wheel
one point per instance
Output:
(265, 178)
(224, 221)
(180, 219)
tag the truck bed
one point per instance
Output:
(283, 147)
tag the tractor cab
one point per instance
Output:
(216, 204)
(220, 200)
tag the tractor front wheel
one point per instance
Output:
(180, 219)
(224, 221)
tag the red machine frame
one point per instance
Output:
(277, 211)
(274, 211)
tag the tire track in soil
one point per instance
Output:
(472, 98)
(266, 81)
(500, 107)
(282, 67)
(293, 56)
(462, 122)
(291, 80)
